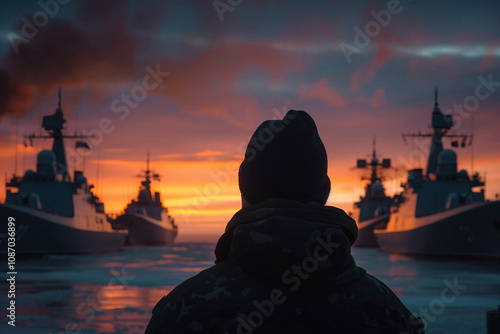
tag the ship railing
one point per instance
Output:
(424, 213)
(13, 181)
(477, 180)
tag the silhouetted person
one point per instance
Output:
(283, 264)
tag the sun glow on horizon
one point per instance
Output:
(203, 195)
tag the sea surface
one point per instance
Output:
(114, 293)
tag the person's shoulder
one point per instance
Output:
(208, 279)
(197, 297)
(377, 301)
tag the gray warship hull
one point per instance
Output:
(366, 239)
(143, 230)
(464, 232)
(38, 234)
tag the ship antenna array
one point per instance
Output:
(472, 145)
(148, 174)
(17, 136)
(374, 163)
(53, 124)
(441, 123)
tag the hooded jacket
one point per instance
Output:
(284, 267)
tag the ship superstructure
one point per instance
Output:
(374, 207)
(147, 220)
(56, 213)
(441, 212)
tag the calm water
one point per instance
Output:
(114, 293)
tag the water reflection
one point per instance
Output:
(115, 293)
(99, 309)
(103, 293)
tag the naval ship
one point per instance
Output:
(372, 209)
(53, 212)
(441, 212)
(146, 219)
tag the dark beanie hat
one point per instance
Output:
(285, 159)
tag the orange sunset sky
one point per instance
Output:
(360, 69)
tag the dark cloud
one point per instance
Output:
(112, 41)
(96, 47)
(14, 97)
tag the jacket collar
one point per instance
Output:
(278, 234)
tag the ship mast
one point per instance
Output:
(375, 165)
(54, 124)
(148, 175)
(58, 145)
(147, 183)
(441, 123)
(374, 177)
